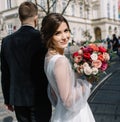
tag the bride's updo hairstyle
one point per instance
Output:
(50, 24)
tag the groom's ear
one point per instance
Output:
(36, 17)
(36, 20)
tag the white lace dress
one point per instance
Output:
(71, 94)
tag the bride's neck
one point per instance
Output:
(58, 51)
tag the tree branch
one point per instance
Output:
(54, 2)
(66, 6)
(40, 6)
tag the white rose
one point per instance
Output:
(75, 65)
(94, 56)
(94, 70)
(87, 70)
(85, 65)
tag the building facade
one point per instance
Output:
(96, 19)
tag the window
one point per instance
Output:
(73, 9)
(114, 12)
(8, 4)
(42, 3)
(74, 32)
(108, 10)
(115, 30)
(10, 28)
(54, 6)
(63, 5)
(81, 11)
(88, 14)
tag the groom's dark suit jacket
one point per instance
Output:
(22, 64)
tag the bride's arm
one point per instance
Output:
(71, 95)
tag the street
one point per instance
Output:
(105, 99)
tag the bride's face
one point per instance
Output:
(61, 37)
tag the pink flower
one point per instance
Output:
(97, 63)
(87, 49)
(106, 56)
(80, 52)
(78, 59)
(90, 60)
(104, 66)
(94, 47)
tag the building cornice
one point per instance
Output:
(105, 20)
(9, 13)
(9, 10)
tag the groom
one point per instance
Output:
(24, 83)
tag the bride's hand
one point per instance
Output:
(91, 79)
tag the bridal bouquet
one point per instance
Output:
(90, 61)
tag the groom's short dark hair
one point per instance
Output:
(27, 10)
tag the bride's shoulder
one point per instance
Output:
(55, 57)
(58, 58)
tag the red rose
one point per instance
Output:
(86, 55)
(102, 49)
(78, 59)
(75, 54)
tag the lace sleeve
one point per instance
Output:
(72, 94)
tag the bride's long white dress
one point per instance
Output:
(72, 93)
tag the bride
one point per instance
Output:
(72, 93)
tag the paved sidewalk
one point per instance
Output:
(5, 115)
(105, 99)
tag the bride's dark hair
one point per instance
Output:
(50, 24)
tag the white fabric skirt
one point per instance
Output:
(85, 115)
